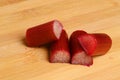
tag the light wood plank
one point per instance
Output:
(19, 62)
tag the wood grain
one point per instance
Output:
(19, 62)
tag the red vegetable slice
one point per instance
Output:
(59, 52)
(95, 44)
(44, 33)
(79, 56)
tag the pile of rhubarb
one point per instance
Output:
(79, 49)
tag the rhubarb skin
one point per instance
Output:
(44, 33)
(59, 52)
(95, 44)
(79, 56)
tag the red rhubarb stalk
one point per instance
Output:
(95, 44)
(79, 56)
(44, 33)
(59, 52)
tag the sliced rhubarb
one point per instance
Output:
(95, 44)
(59, 52)
(79, 56)
(44, 33)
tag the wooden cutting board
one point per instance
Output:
(19, 62)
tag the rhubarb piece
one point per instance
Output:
(44, 33)
(95, 44)
(59, 52)
(79, 56)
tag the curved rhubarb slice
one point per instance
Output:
(44, 33)
(59, 52)
(79, 56)
(95, 44)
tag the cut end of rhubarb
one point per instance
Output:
(60, 57)
(88, 43)
(57, 28)
(82, 58)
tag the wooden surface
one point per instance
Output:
(19, 62)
